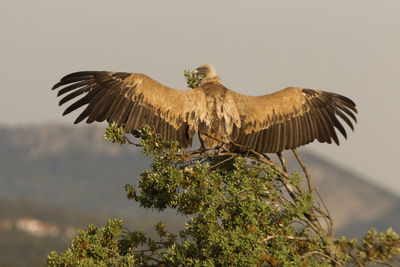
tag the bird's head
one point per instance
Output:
(207, 70)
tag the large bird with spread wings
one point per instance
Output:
(271, 123)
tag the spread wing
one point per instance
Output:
(134, 99)
(291, 118)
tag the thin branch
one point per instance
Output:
(286, 237)
(322, 254)
(284, 176)
(132, 143)
(305, 170)
(330, 225)
(355, 259)
(382, 262)
(221, 162)
(148, 250)
(323, 202)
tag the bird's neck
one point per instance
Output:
(211, 79)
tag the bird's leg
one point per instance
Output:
(282, 160)
(202, 148)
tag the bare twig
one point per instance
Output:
(283, 161)
(221, 162)
(355, 259)
(310, 187)
(328, 215)
(132, 143)
(286, 237)
(322, 254)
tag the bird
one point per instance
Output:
(270, 123)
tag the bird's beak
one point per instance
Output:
(195, 71)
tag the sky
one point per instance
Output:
(257, 47)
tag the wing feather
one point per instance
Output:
(311, 133)
(300, 131)
(283, 136)
(74, 77)
(255, 139)
(258, 141)
(346, 119)
(72, 87)
(290, 134)
(348, 112)
(292, 117)
(331, 124)
(277, 139)
(133, 99)
(81, 102)
(295, 132)
(93, 109)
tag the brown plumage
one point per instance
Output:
(271, 123)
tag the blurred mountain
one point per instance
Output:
(68, 166)
(29, 231)
(75, 167)
(355, 204)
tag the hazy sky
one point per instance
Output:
(257, 47)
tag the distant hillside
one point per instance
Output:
(67, 166)
(29, 231)
(355, 204)
(75, 167)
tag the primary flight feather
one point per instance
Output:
(271, 123)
